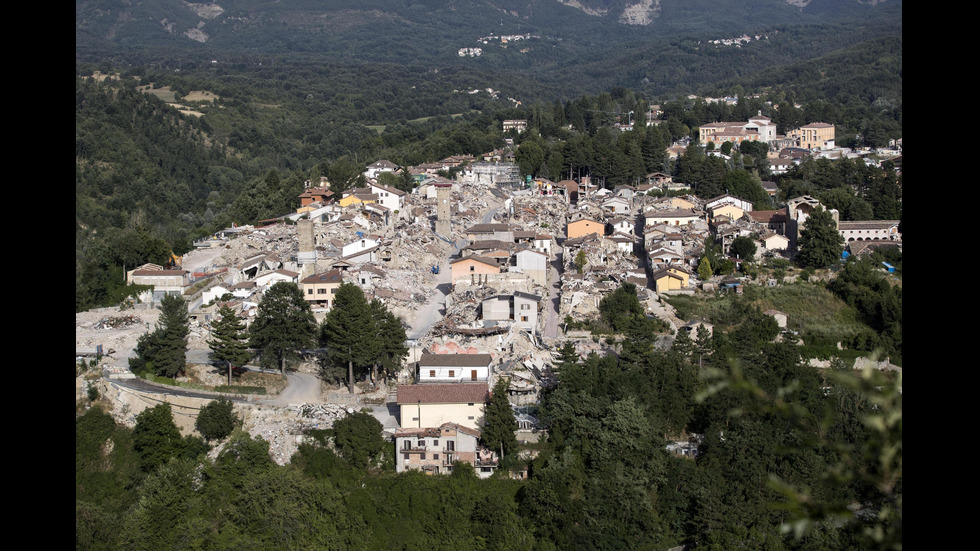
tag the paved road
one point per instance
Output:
(435, 308)
(551, 323)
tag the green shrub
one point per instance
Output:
(217, 420)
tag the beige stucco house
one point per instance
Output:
(431, 405)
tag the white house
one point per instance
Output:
(454, 368)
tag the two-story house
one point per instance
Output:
(431, 405)
(319, 289)
(435, 450)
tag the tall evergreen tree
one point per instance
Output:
(172, 358)
(156, 438)
(230, 343)
(820, 242)
(284, 324)
(499, 422)
(349, 332)
(164, 351)
(391, 340)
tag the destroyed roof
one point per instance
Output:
(361, 253)
(480, 259)
(488, 245)
(527, 296)
(455, 360)
(158, 272)
(434, 432)
(333, 276)
(487, 228)
(766, 216)
(452, 393)
(680, 213)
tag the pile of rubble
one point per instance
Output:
(103, 327)
(284, 428)
(118, 322)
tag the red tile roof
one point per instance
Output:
(453, 393)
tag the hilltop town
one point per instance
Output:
(490, 275)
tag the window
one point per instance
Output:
(472, 268)
(422, 457)
(333, 291)
(525, 307)
(432, 373)
(452, 372)
(406, 457)
(435, 456)
(321, 291)
(421, 443)
(309, 291)
(470, 404)
(435, 444)
(523, 318)
(451, 446)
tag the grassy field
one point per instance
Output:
(812, 310)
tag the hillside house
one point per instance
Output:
(453, 368)
(431, 405)
(435, 450)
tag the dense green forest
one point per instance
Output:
(790, 457)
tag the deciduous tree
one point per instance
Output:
(744, 247)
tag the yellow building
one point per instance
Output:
(584, 226)
(816, 135)
(671, 278)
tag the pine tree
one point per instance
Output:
(217, 420)
(230, 343)
(164, 351)
(499, 422)
(156, 438)
(284, 324)
(349, 332)
(820, 242)
(391, 339)
(171, 359)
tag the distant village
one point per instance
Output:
(487, 269)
